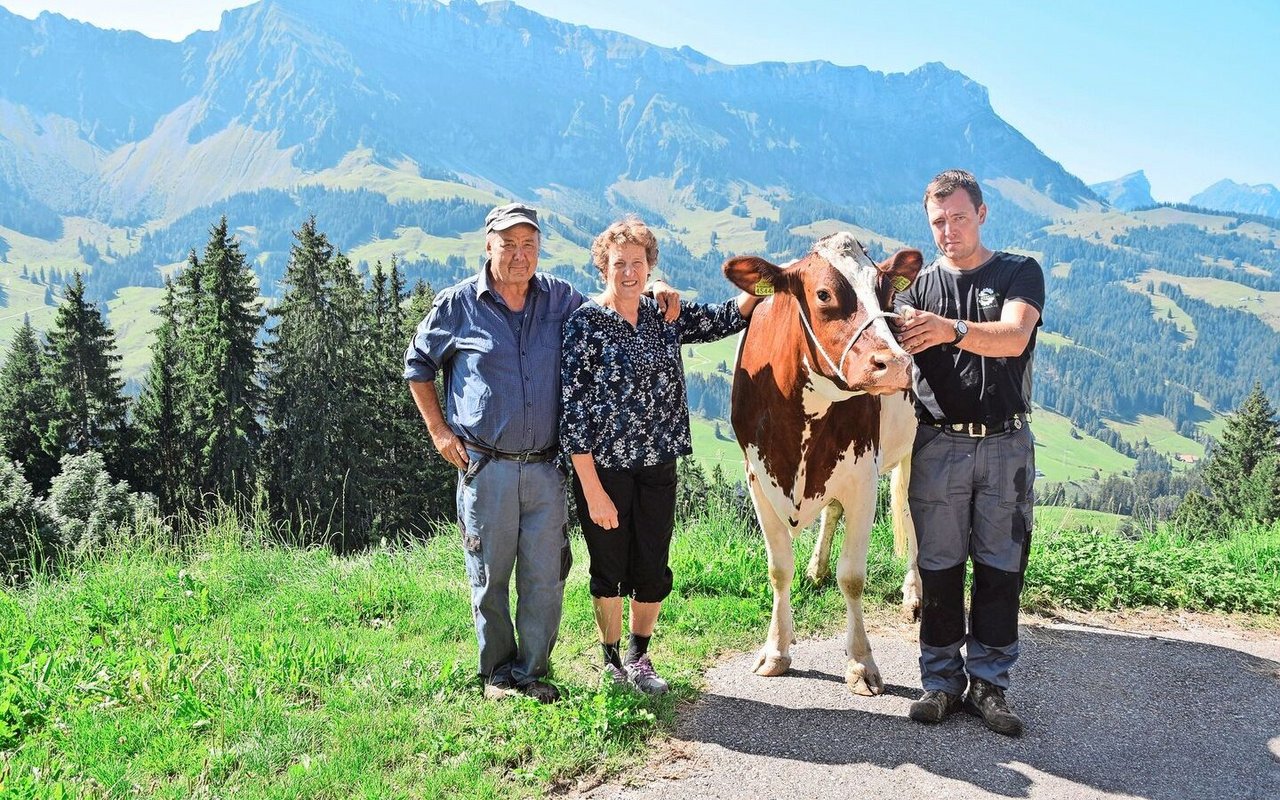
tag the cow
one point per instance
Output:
(821, 406)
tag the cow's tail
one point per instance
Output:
(904, 529)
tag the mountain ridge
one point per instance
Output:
(1227, 195)
(311, 82)
(1127, 192)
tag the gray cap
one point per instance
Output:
(511, 214)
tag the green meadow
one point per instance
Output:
(228, 666)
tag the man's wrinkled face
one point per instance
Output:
(513, 254)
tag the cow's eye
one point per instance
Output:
(824, 295)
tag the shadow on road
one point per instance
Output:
(1146, 717)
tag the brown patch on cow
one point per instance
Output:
(849, 423)
(767, 405)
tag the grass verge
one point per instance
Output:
(235, 668)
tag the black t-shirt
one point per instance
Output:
(956, 386)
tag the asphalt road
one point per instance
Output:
(1108, 714)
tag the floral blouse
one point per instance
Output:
(622, 388)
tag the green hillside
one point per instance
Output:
(742, 226)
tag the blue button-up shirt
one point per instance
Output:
(502, 389)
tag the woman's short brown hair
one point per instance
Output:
(628, 230)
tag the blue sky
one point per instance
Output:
(1183, 91)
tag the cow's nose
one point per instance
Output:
(881, 360)
(889, 370)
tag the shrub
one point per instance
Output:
(88, 507)
(27, 533)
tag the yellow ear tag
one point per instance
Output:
(900, 283)
(763, 288)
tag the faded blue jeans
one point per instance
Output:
(513, 518)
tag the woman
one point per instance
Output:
(624, 422)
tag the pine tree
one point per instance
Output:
(1250, 437)
(81, 368)
(25, 406)
(218, 341)
(317, 401)
(1242, 472)
(162, 444)
(414, 484)
(691, 489)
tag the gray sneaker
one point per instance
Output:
(613, 675)
(643, 676)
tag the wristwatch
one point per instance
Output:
(962, 329)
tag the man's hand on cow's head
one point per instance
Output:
(919, 330)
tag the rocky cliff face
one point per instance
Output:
(1127, 193)
(285, 87)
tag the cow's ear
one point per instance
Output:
(897, 272)
(905, 263)
(753, 275)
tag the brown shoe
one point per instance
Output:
(540, 691)
(934, 706)
(986, 700)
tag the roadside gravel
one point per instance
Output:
(1135, 705)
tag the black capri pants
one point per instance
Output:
(631, 560)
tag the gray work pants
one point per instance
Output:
(971, 498)
(513, 517)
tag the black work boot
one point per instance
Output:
(934, 706)
(986, 700)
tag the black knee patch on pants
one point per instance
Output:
(993, 615)
(942, 607)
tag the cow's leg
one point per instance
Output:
(861, 673)
(775, 657)
(820, 562)
(904, 537)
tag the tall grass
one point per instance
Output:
(225, 665)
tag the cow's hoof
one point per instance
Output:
(862, 681)
(817, 576)
(768, 666)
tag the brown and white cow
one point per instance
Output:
(821, 407)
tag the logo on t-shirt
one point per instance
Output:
(987, 298)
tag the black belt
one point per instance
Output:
(977, 430)
(527, 457)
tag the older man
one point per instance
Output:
(497, 338)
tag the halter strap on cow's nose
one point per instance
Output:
(837, 370)
(863, 329)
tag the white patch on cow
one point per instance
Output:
(820, 391)
(897, 429)
(778, 498)
(844, 253)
